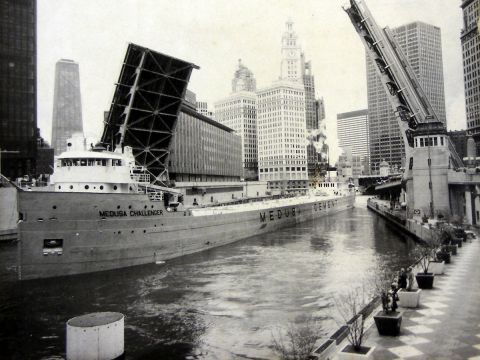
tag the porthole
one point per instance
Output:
(131, 188)
(152, 206)
(87, 187)
(129, 206)
(144, 231)
(101, 187)
(59, 187)
(71, 187)
(119, 232)
(132, 231)
(145, 206)
(114, 187)
(118, 206)
(54, 207)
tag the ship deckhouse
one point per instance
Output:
(98, 171)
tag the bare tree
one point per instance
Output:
(298, 341)
(349, 306)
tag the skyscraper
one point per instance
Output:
(470, 38)
(294, 68)
(243, 79)
(239, 112)
(67, 107)
(421, 44)
(282, 150)
(18, 104)
(352, 132)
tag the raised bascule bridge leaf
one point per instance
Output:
(145, 106)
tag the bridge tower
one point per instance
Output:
(426, 167)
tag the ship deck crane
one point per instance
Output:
(410, 104)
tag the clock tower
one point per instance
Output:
(292, 56)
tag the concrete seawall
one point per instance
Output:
(419, 231)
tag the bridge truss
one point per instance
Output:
(145, 107)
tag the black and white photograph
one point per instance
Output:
(239, 180)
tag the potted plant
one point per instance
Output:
(443, 252)
(421, 253)
(436, 263)
(351, 309)
(388, 320)
(409, 297)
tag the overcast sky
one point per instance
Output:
(214, 34)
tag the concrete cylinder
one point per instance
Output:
(95, 336)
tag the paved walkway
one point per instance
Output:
(447, 323)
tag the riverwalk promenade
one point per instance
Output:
(447, 323)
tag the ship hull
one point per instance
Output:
(68, 233)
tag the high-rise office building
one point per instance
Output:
(243, 79)
(18, 104)
(67, 106)
(281, 127)
(202, 108)
(352, 132)
(239, 112)
(470, 38)
(421, 44)
(294, 68)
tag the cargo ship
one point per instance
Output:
(102, 212)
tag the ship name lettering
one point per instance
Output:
(107, 213)
(146, 212)
(262, 217)
(271, 214)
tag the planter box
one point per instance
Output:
(326, 351)
(388, 324)
(444, 255)
(451, 248)
(347, 353)
(436, 268)
(409, 299)
(425, 281)
(460, 239)
(457, 241)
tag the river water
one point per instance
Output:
(225, 303)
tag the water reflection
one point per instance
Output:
(222, 303)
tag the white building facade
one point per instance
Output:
(281, 127)
(352, 132)
(238, 112)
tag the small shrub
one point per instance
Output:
(298, 341)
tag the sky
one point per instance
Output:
(214, 34)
